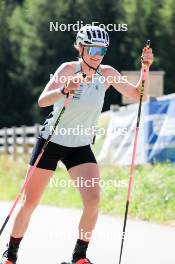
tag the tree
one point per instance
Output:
(11, 91)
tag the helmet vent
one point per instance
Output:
(89, 35)
(94, 34)
(107, 37)
(99, 33)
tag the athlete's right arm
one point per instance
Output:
(51, 92)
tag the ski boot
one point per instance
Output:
(4, 259)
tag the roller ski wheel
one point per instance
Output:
(4, 259)
(80, 261)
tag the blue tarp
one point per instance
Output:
(160, 130)
(156, 139)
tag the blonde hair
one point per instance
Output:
(77, 48)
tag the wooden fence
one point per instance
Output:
(16, 141)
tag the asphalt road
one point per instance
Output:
(52, 233)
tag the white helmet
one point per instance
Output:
(92, 35)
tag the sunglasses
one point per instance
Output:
(101, 51)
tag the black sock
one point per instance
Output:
(80, 250)
(13, 248)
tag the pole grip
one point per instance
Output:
(148, 43)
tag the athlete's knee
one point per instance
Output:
(93, 199)
(29, 204)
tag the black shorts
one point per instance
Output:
(70, 156)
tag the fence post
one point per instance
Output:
(37, 128)
(5, 141)
(14, 143)
(24, 140)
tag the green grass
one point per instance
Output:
(153, 193)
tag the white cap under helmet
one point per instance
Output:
(92, 35)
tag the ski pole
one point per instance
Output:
(133, 154)
(69, 97)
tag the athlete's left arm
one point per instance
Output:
(122, 85)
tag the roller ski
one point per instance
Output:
(80, 261)
(9, 257)
(5, 260)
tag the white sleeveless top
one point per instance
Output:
(77, 124)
